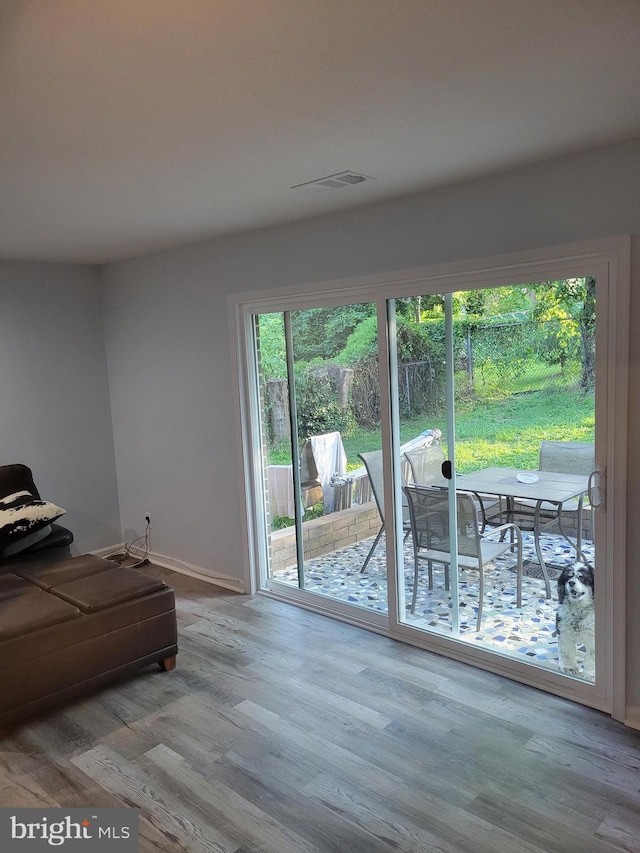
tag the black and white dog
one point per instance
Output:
(575, 618)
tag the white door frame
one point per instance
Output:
(609, 261)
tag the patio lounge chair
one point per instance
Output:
(429, 519)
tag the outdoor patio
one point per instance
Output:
(527, 631)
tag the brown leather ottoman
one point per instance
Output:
(71, 626)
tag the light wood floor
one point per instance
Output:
(281, 731)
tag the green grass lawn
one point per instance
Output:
(504, 432)
(509, 432)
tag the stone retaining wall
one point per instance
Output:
(340, 529)
(322, 535)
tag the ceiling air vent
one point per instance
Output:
(334, 182)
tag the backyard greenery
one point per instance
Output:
(504, 432)
(508, 433)
(524, 361)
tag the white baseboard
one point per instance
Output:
(202, 574)
(632, 718)
(112, 549)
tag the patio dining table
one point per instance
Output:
(539, 488)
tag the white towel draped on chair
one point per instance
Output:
(323, 457)
(330, 460)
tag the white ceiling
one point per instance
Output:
(130, 125)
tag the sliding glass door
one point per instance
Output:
(431, 460)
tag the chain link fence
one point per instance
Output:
(489, 360)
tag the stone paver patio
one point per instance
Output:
(521, 632)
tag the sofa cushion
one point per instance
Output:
(106, 589)
(60, 537)
(54, 574)
(21, 515)
(32, 610)
(12, 585)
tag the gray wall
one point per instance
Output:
(168, 341)
(54, 397)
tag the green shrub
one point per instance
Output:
(361, 344)
(280, 522)
(317, 408)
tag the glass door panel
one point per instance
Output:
(521, 394)
(321, 450)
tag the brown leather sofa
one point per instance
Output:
(69, 624)
(67, 627)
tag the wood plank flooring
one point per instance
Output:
(281, 731)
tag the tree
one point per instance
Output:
(572, 299)
(320, 333)
(273, 362)
(416, 307)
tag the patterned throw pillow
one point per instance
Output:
(21, 515)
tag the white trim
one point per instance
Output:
(390, 438)
(616, 479)
(112, 549)
(530, 673)
(632, 718)
(572, 259)
(190, 569)
(243, 413)
(360, 617)
(608, 258)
